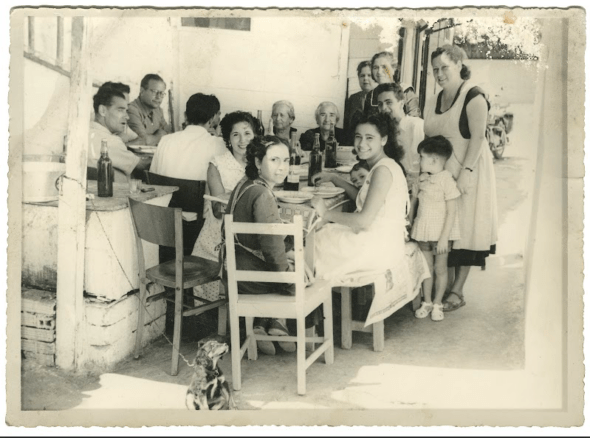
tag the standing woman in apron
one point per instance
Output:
(459, 113)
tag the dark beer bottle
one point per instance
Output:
(295, 148)
(315, 160)
(105, 172)
(260, 127)
(331, 150)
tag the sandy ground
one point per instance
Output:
(418, 368)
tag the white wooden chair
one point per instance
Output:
(296, 307)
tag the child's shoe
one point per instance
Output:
(437, 312)
(424, 310)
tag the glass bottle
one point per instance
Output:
(105, 172)
(331, 150)
(260, 127)
(295, 148)
(315, 160)
(271, 130)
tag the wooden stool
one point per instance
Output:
(349, 325)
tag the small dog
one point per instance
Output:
(208, 389)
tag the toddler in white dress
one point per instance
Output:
(436, 224)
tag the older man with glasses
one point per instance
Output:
(146, 117)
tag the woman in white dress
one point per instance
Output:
(459, 113)
(372, 239)
(223, 174)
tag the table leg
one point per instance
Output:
(346, 317)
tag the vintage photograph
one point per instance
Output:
(303, 216)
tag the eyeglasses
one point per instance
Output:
(157, 93)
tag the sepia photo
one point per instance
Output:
(308, 217)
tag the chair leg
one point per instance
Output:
(140, 317)
(222, 320)
(301, 355)
(346, 315)
(234, 330)
(378, 330)
(329, 331)
(379, 336)
(177, 330)
(310, 333)
(252, 346)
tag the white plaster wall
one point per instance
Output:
(300, 59)
(123, 48)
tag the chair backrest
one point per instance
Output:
(189, 195)
(91, 173)
(297, 277)
(155, 224)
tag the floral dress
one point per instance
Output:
(434, 191)
(231, 173)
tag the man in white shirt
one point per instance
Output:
(110, 120)
(391, 99)
(186, 154)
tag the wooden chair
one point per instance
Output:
(91, 173)
(348, 325)
(297, 307)
(189, 197)
(163, 226)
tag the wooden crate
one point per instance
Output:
(37, 346)
(37, 320)
(38, 301)
(36, 334)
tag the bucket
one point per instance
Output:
(41, 176)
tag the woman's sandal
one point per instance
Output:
(278, 329)
(449, 306)
(424, 310)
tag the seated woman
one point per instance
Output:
(224, 172)
(326, 116)
(372, 239)
(283, 116)
(253, 200)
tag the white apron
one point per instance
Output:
(477, 210)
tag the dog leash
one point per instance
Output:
(190, 364)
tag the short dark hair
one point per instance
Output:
(123, 88)
(257, 149)
(362, 65)
(104, 96)
(229, 121)
(361, 164)
(200, 108)
(455, 54)
(145, 82)
(393, 87)
(437, 145)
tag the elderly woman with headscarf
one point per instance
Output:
(326, 116)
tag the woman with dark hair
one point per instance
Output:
(385, 71)
(373, 237)
(223, 173)
(459, 113)
(355, 104)
(253, 200)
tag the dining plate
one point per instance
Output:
(344, 169)
(323, 191)
(143, 148)
(292, 197)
